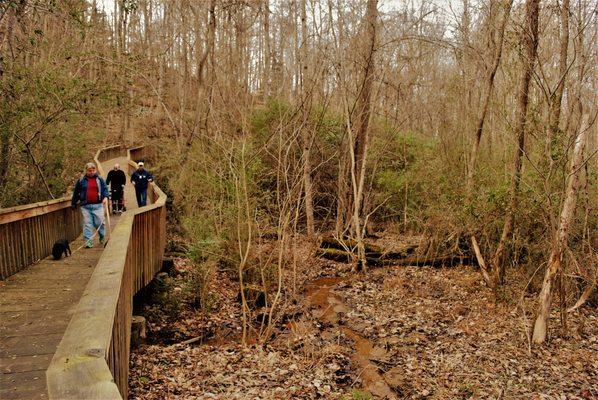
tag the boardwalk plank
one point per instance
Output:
(28, 322)
(28, 345)
(23, 385)
(9, 365)
(38, 302)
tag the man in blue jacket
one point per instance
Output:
(91, 192)
(141, 179)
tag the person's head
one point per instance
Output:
(90, 169)
(140, 165)
(116, 166)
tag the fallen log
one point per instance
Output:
(345, 257)
(445, 260)
(330, 242)
(449, 260)
(397, 255)
(334, 255)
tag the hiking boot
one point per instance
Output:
(89, 244)
(101, 239)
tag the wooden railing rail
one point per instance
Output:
(27, 233)
(108, 153)
(136, 154)
(92, 360)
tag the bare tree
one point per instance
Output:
(529, 41)
(358, 129)
(495, 43)
(306, 131)
(559, 244)
(557, 96)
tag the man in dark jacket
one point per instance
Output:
(141, 179)
(91, 192)
(116, 179)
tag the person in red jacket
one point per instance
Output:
(91, 192)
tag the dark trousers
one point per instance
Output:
(141, 195)
(117, 199)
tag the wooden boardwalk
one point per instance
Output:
(36, 306)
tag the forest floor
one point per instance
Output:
(394, 332)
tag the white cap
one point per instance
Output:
(140, 164)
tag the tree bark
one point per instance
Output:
(481, 261)
(491, 73)
(529, 41)
(306, 136)
(555, 105)
(361, 141)
(364, 103)
(560, 240)
(267, 51)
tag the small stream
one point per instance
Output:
(319, 294)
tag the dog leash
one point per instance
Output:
(91, 238)
(103, 223)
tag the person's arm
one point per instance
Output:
(76, 191)
(109, 178)
(134, 178)
(150, 177)
(104, 189)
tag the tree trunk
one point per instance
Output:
(491, 73)
(364, 103)
(267, 51)
(529, 41)
(362, 122)
(561, 236)
(5, 148)
(555, 105)
(306, 136)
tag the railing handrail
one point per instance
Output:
(81, 365)
(23, 207)
(33, 209)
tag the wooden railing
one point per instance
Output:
(28, 232)
(136, 154)
(92, 360)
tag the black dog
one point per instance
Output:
(61, 246)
